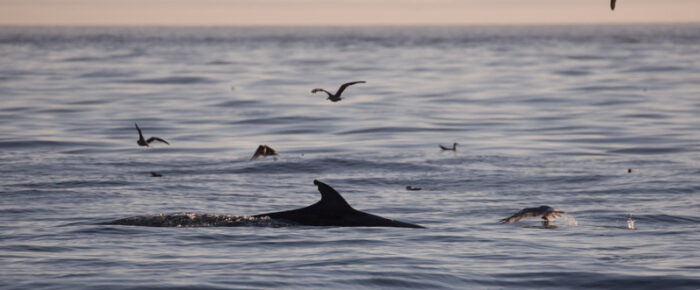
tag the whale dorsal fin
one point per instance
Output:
(330, 198)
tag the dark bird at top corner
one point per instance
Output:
(337, 96)
(454, 147)
(612, 4)
(143, 142)
(263, 150)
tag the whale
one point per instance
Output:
(333, 210)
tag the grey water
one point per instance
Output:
(544, 115)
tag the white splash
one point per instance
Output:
(569, 220)
(630, 224)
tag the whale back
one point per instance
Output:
(333, 210)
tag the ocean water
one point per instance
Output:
(544, 115)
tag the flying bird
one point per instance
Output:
(263, 150)
(547, 213)
(144, 142)
(337, 96)
(454, 147)
(612, 4)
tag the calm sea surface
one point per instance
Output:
(543, 115)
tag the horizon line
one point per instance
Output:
(379, 25)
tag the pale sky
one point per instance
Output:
(341, 12)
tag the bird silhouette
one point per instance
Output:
(263, 150)
(454, 147)
(612, 4)
(144, 142)
(337, 96)
(547, 213)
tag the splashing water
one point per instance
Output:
(630, 224)
(570, 220)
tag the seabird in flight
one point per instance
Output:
(454, 147)
(263, 150)
(547, 213)
(144, 142)
(336, 97)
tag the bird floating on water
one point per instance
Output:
(144, 142)
(547, 213)
(454, 147)
(156, 174)
(411, 188)
(337, 96)
(612, 4)
(263, 150)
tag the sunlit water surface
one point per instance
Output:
(543, 115)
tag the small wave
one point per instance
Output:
(237, 103)
(219, 62)
(579, 279)
(197, 220)
(104, 74)
(606, 103)
(646, 69)
(72, 184)
(646, 116)
(171, 81)
(647, 150)
(103, 58)
(16, 109)
(310, 62)
(60, 110)
(670, 219)
(38, 143)
(585, 57)
(328, 164)
(604, 88)
(397, 129)
(281, 120)
(573, 72)
(35, 248)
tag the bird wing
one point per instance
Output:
(269, 151)
(525, 213)
(258, 152)
(612, 4)
(551, 215)
(316, 90)
(345, 85)
(156, 139)
(139, 129)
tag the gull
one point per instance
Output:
(547, 213)
(263, 150)
(336, 97)
(454, 147)
(144, 142)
